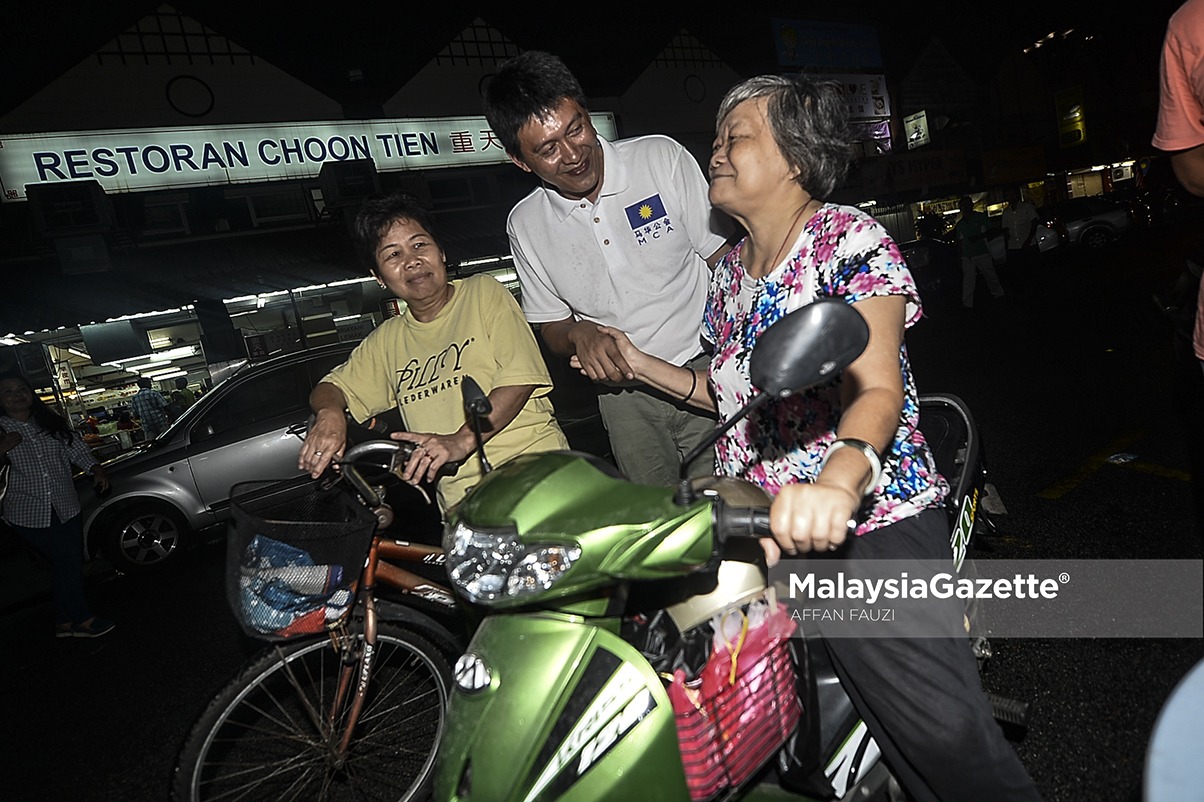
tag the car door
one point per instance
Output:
(245, 436)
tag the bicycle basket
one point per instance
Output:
(294, 555)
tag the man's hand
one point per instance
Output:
(598, 354)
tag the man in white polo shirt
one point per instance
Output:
(620, 234)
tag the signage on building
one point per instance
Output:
(1013, 165)
(915, 128)
(131, 160)
(904, 171)
(872, 137)
(864, 95)
(809, 43)
(1072, 119)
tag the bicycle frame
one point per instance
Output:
(379, 567)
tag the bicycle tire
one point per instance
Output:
(256, 740)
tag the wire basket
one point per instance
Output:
(726, 736)
(294, 555)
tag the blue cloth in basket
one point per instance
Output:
(279, 583)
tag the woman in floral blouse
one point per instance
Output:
(847, 466)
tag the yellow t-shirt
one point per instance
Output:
(418, 367)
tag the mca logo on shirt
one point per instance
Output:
(649, 220)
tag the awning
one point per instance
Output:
(149, 278)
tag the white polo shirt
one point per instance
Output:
(635, 260)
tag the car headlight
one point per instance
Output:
(488, 565)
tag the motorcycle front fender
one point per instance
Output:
(566, 711)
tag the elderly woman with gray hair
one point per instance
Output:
(851, 475)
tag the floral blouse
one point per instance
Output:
(840, 253)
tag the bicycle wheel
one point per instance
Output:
(265, 736)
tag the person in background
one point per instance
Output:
(620, 234)
(1020, 221)
(41, 504)
(846, 463)
(1180, 131)
(450, 330)
(187, 397)
(150, 408)
(125, 421)
(971, 232)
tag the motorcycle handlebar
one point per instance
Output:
(741, 522)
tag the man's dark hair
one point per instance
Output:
(144, 382)
(377, 216)
(527, 87)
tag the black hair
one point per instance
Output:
(377, 216)
(144, 382)
(46, 418)
(528, 86)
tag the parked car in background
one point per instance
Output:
(248, 428)
(178, 485)
(1092, 222)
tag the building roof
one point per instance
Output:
(362, 58)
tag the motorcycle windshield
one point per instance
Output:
(571, 712)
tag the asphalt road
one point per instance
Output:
(1075, 367)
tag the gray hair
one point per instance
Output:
(809, 122)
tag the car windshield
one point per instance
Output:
(192, 411)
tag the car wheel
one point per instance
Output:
(1096, 237)
(144, 538)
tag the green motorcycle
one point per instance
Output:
(579, 573)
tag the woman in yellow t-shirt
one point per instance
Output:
(416, 361)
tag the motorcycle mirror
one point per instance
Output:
(800, 350)
(807, 346)
(476, 403)
(477, 408)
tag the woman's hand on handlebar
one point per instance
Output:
(810, 517)
(324, 444)
(432, 452)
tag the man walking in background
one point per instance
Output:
(972, 231)
(150, 407)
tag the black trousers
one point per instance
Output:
(922, 698)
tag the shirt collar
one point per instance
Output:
(614, 181)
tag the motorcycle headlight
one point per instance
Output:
(487, 565)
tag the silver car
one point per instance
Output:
(1092, 222)
(178, 485)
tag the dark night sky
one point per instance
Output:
(389, 42)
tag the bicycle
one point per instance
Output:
(349, 701)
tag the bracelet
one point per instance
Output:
(866, 449)
(693, 384)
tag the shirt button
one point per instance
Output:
(597, 220)
(582, 205)
(605, 242)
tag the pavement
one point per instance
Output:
(25, 576)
